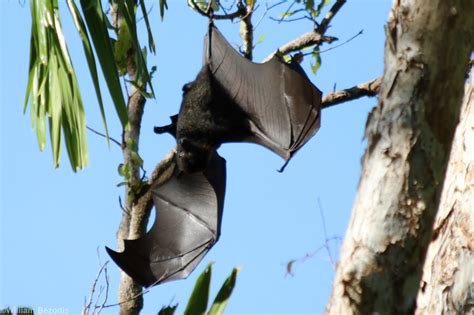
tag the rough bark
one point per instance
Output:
(409, 138)
(447, 285)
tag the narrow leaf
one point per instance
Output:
(151, 41)
(222, 298)
(52, 89)
(163, 6)
(317, 64)
(197, 303)
(259, 40)
(96, 24)
(81, 28)
(126, 8)
(168, 310)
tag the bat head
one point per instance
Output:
(193, 156)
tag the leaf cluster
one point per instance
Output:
(198, 302)
(53, 91)
(52, 87)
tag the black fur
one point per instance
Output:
(206, 119)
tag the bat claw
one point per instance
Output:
(171, 129)
(283, 167)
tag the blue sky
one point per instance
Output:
(53, 221)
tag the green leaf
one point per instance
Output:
(97, 26)
(81, 28)
(168, 310)
(317, 64)
(222, 298)
(136, 159)
(124, 170)
(151, 41)
(287, 58)
(197, 303)
(287, 14)
(309, 5)
(52, 88)
(121, 48)
(121, 170)
(126, 8)
(321, 5)
(163, 6)
(259, 40)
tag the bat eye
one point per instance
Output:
(186, 144)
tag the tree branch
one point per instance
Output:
(409, 136)
(306, 40)
(323, 26)
(102, 135)
(315, 37)
(130, 148)
(369, 88)
(239, 13)
(246, 34)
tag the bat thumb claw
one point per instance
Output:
(283, 167)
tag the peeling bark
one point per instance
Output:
(447, 285)
(409, 139)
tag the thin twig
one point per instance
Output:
(102, 135)
(306, 40)
(229, 8)
(107, 285)
(122, 207)
(240, 12)
(148, 13)
(101, 290)
(315, 37)
(287, 11)
(336, 46)
(310, 255)
(131, 298)
(369, 88)
(292, 20)
(326, 239)
(88, 306)
(125, 86)
(267, 9)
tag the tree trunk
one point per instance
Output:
(409, 139)
(129, 292)
(447, 285)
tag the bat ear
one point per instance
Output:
(187, 87)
